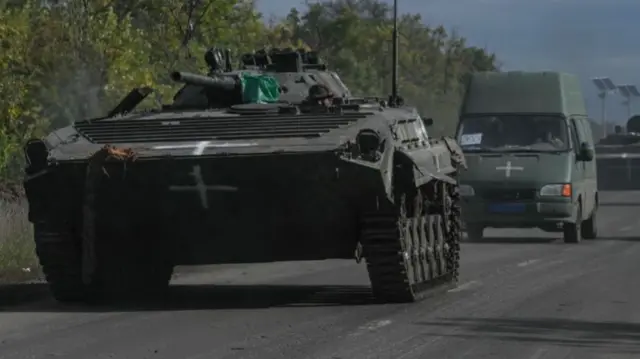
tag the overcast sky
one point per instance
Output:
(586, 37)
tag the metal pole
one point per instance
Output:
(604, 114)
(394, 75)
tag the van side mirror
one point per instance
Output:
(586, 152)
(427, 122)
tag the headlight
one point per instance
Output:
(556, 190)
(466, 190)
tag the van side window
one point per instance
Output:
(582, 128)
(587, 129)
(575, 134)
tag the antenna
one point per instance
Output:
(605, 86)
(628, 92)
(394, 99)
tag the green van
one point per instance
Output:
(530, 152)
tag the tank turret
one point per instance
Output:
(292, 71)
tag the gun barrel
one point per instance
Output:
(220, 82)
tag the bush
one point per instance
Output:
(18, 261)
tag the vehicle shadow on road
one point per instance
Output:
(618, 204)
(618, 336)
(513, 240)
(15, 294)
(624, 239)
(211, 297)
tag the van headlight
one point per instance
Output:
(466, 190)
(556, 190)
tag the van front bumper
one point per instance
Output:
(523, 214)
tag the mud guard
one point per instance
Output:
(421, 174)
(386, 167)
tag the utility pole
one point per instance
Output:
(394, 73)
(605, 86)
(629, 92)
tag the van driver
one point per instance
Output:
(551, 134)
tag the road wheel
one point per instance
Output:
(412, 246)
(60, 257)
(573, 231)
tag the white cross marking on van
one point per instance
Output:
(508, 168)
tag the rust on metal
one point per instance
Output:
(121, 154)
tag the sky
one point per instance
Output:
(586, 37)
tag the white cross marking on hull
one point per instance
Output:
(202, 188)
(200, 147)
(508, 168)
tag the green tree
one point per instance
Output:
(76, 59)
(355, 38)
(19, 109)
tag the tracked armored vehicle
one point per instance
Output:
(618, 157)
(223, 175)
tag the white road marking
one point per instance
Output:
(372, 326)
(465, 286)
(376, 325)
(540, 353)
(626, 228)
(528, 263)
(554, 262)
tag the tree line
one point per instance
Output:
(62, 61)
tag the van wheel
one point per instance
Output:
(475, 232)
(573, 231)
(590, 226)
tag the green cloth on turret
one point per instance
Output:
(259, 88)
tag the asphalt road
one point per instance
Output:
(518, 297)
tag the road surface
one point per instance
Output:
(518, 298)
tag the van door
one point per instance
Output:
(578, 177)
(591, 171)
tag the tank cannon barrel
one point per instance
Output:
(219, 82)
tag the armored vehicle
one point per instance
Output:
(530, 152)
(234, 171)
(618, 158)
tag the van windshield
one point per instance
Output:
(513, 133)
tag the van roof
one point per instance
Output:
(524, 92)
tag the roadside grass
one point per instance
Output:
(18, 261)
